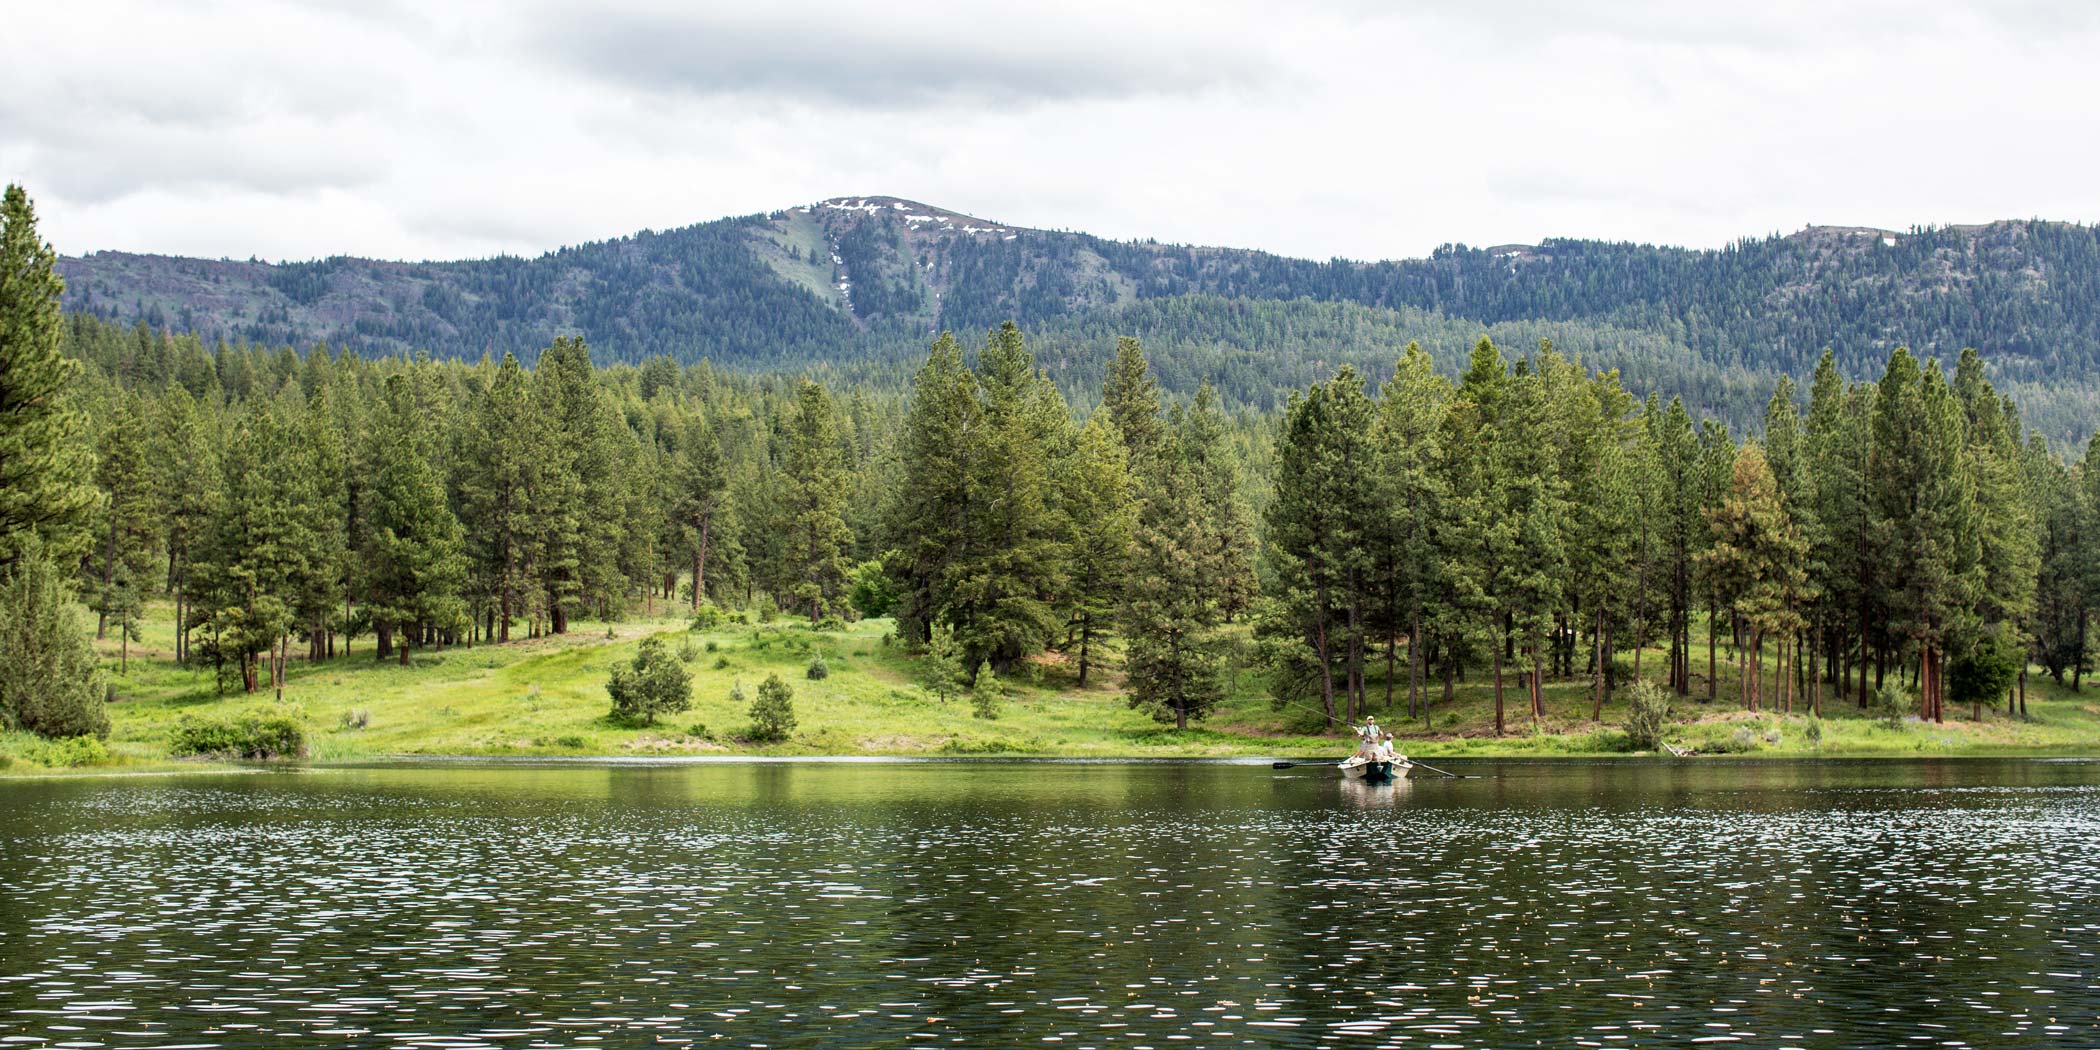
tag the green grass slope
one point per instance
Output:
(546, 697)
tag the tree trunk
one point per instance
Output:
(1086, 638)
(1498, 687)
(1597, 647)
(700, 562)
(1414, 666)
(1713, 668)
(1326, 656)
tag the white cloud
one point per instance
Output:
(1355, 129)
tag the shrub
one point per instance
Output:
(572, 740)
(873, 592)
(50, 678)
(768, 609)
(721, 662)
(69, 752)
(705, 618)
(250, 736)
(713, 645)
(773, 713)
(818, 669)
(698, 731)
(942, 671)
(687, 650)
(1813, 732)
(984, 692)
(356, 718)
(828, 623)
(653, 684)
(1890, 704)
(1647, 715)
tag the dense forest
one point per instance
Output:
(1521, 516)
(861, 285)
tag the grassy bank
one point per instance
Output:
(547, 697)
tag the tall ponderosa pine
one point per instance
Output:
(1100, 499)
(131, 503)
(700, 484)
(46, 490)
(813, 527)
(502, 478)
(1169, 614)
(929, 517)
(1407, 566)
(1004, 597)
(413, 566)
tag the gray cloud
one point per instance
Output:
(855, 58)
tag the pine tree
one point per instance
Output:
(1003, 595)
(414, 568)
(46, 492)
(984, 691)
(1838, 562)
(1756, 562)
(502, 481)
(929, 516)
(187, 476)
(1319, 545)
(50, 681)
(260, 553)
(1410, 492)
(1100, 502)
(130, 505)
(655, 683)
(1200, 439)
(700, 485)
(1172, 662)
(813, 523)
(941, 671)
(1130, 396)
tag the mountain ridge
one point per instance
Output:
(865, 281)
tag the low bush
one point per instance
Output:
(356, 718)
(828, 623)
(773, 713)
(68, 752)
(1647, 715)
(990, 746)
(1891, 703)
(706, 618)
(818, 669)
(249, 736)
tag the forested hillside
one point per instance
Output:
(1901, 543)
(861, 284)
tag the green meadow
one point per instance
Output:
(547, 697)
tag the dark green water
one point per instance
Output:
(1061, 905)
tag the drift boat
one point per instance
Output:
(1358, 767)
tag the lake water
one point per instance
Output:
(1836, 904)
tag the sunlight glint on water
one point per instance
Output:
(1569, 904)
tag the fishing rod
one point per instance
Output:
(1332, 718)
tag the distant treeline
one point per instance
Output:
(1531, 517)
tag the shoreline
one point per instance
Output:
(192, 767)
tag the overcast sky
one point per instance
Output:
(1362, 129)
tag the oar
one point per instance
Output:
(1434, 769)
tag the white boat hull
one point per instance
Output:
(1357, 767)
